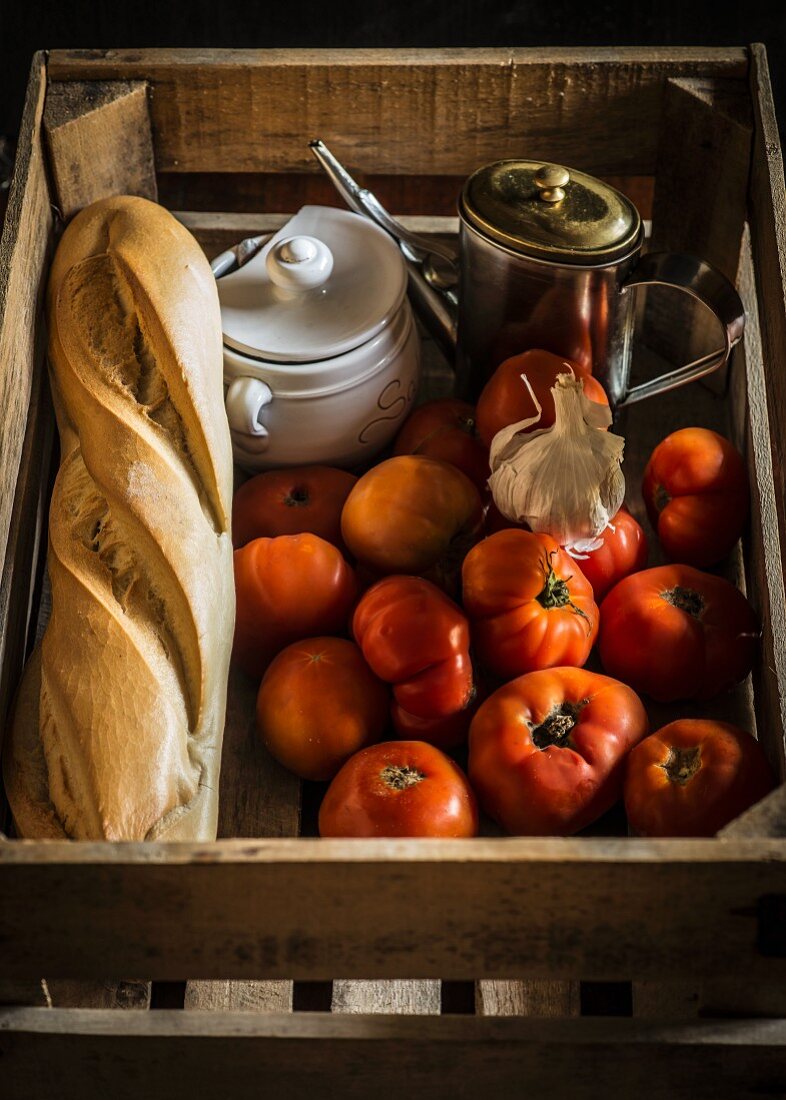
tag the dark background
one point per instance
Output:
(28, 26)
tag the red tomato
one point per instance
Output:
(415, 637)
(529, 604)
(319, 703)
(547, 751)
(446, 733)
(445, 429)
(399, 788)
(411, 514)
(676, 633)
(506, 399)
(291, 587)
(696, 492)
(693, 777)
(291, 502)
(624, 551)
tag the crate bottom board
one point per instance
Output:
(171, 1054)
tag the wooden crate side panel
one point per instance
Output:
(768, 235)
(169, 1055)
(99, 142)
(510, 908)
(432, 112)
(24, 252)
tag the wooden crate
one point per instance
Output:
(275, 961)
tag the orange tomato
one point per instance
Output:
(547, 751)
(445, 429)
(693, 777)
(528, 602)
(416, 638)
(411, 514)
(506, 399)
(291, 502)
(319, 703)
(696, 492)
(290, 587)
(399, 788)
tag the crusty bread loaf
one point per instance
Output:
(118, 724)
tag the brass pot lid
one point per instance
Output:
(550, 212)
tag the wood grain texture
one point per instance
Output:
(257, 798)
(417, 195)
(99, 142)
(534, 998)
(595, 109)
(403, 997)
(767, 198)
(25, 248)
(168, 1055)
(509, 908)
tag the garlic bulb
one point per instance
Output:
(564, 480)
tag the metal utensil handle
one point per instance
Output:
(707, 285)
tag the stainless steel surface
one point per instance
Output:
(707, 285)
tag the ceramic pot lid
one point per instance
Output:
(326, 282)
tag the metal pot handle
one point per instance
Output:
(703, 282)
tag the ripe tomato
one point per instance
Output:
(675, 633)
(291, 587)
(399, 788)
(547, 751)
(446, 733)
(696, 492)
(414, 637)
(290, 502)
(319, 703)
(624, 551)
(506, 399)
(529, 604)
(445, 429)
(411, 514)
(693, 777)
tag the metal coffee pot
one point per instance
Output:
(547, 258)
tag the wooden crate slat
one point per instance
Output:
(403, 996)
(535, 998)
(181, 1054)
(24, 251)
(595, 109)
(99, 142)
(257, 798)
(462, 910)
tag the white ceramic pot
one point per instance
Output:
(321, 353)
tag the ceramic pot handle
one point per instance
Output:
(707, 285)
(245, 399)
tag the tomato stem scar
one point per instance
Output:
(400, 776)
(682, 764)
(297, 497)
(685, 599)
(556, 727)
(555, 592)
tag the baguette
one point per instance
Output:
(117, 727)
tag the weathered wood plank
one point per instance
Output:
(767, 195)
(595, 108)
(508, 908)
(257, 798)
(535, 998)
(99, 142)
(24, 252)
(169, 1055)
(405, 996)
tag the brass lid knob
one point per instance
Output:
(551, 180)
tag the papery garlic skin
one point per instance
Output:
(564, 480)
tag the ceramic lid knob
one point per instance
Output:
(299, 263)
